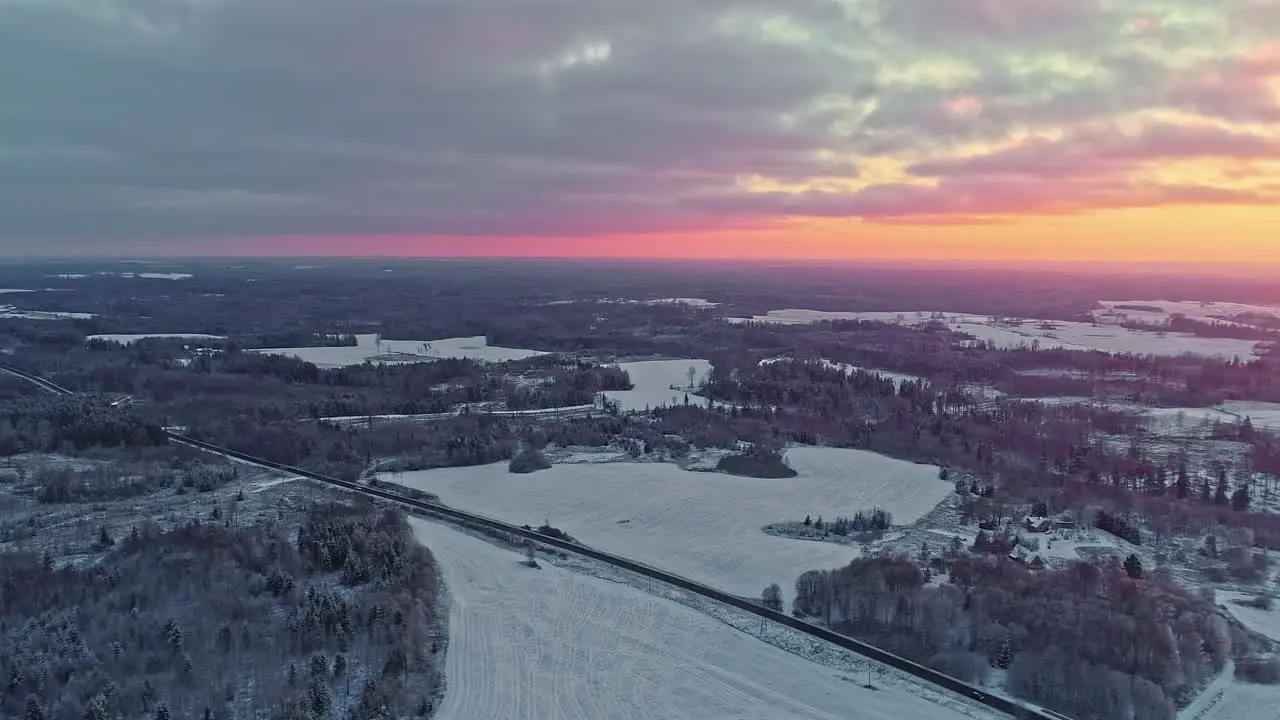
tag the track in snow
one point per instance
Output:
(553, 644)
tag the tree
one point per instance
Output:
(1220, 496)
(1182, 486)
(104, 538)
(1240, 498)
(808, 521)
(162, 712)
(35, 709)
(1133, 566)
(772, 597)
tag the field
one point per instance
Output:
(1192, 309)
(553, 643)
(370, 349)
(1263, 622)
(653, 380)
(703, 525)
(1058, 334)
(1242, 701)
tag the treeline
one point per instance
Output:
(53, 423)
(1087, 641)
(224, 622)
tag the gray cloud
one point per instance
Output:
(199, 118)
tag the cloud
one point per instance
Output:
(173, 119)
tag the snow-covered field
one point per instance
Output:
(8, 311)
(705, 526)
(653, 381)
(369, 349)
(1261, 414)
(553, 643)
(159, 276)
(1242, 701)
(130, 339)
(1263, 622)
(1071, 335)
(1193, 309)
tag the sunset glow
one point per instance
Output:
(1093, 130)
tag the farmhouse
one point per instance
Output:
(1037, 524)
(1027, 556)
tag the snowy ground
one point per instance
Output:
(1192, 309)
(129, 339)
(1239, 701)
(1263, 622)
(1072, 335)
(369, 349)
(10, 312)
(653, 381)
(706, 526)
(553, 643)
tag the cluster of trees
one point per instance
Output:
(220, 622)
(875, 520)
(1089, 641)
(52, 423)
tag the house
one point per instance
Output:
(1027, 556)
(1037, 524)
(1064, 522)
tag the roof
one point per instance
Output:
(1023, 554)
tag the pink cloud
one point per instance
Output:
(1106, 150)
(1237, 89)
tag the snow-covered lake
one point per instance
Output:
(703, 525)
(653, 380)
(369, 349)
(1070, 335)
(554, 644)
(130, 339)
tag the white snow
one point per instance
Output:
(1210, 311)
(703, 525)
(691, 302)
(369, 349)
(653, 381)
(1263, 415)
(9, 311)
(1263, 622)
(1070, 335)
(1241, 701)
(130, 339)
(159, 276)
(554, 644)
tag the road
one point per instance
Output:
(871, 652)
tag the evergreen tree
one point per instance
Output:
(1240, 498)
(162, 712)
(1182, 485)
(1220, 496)
(35, 709)
(1133, 566)
(807, 521)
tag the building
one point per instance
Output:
(1037, 524)
(1027, 556)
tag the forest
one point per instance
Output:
(1091, 641)
(336, 618)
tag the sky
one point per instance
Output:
(1040, 130)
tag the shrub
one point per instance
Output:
(527, 461)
